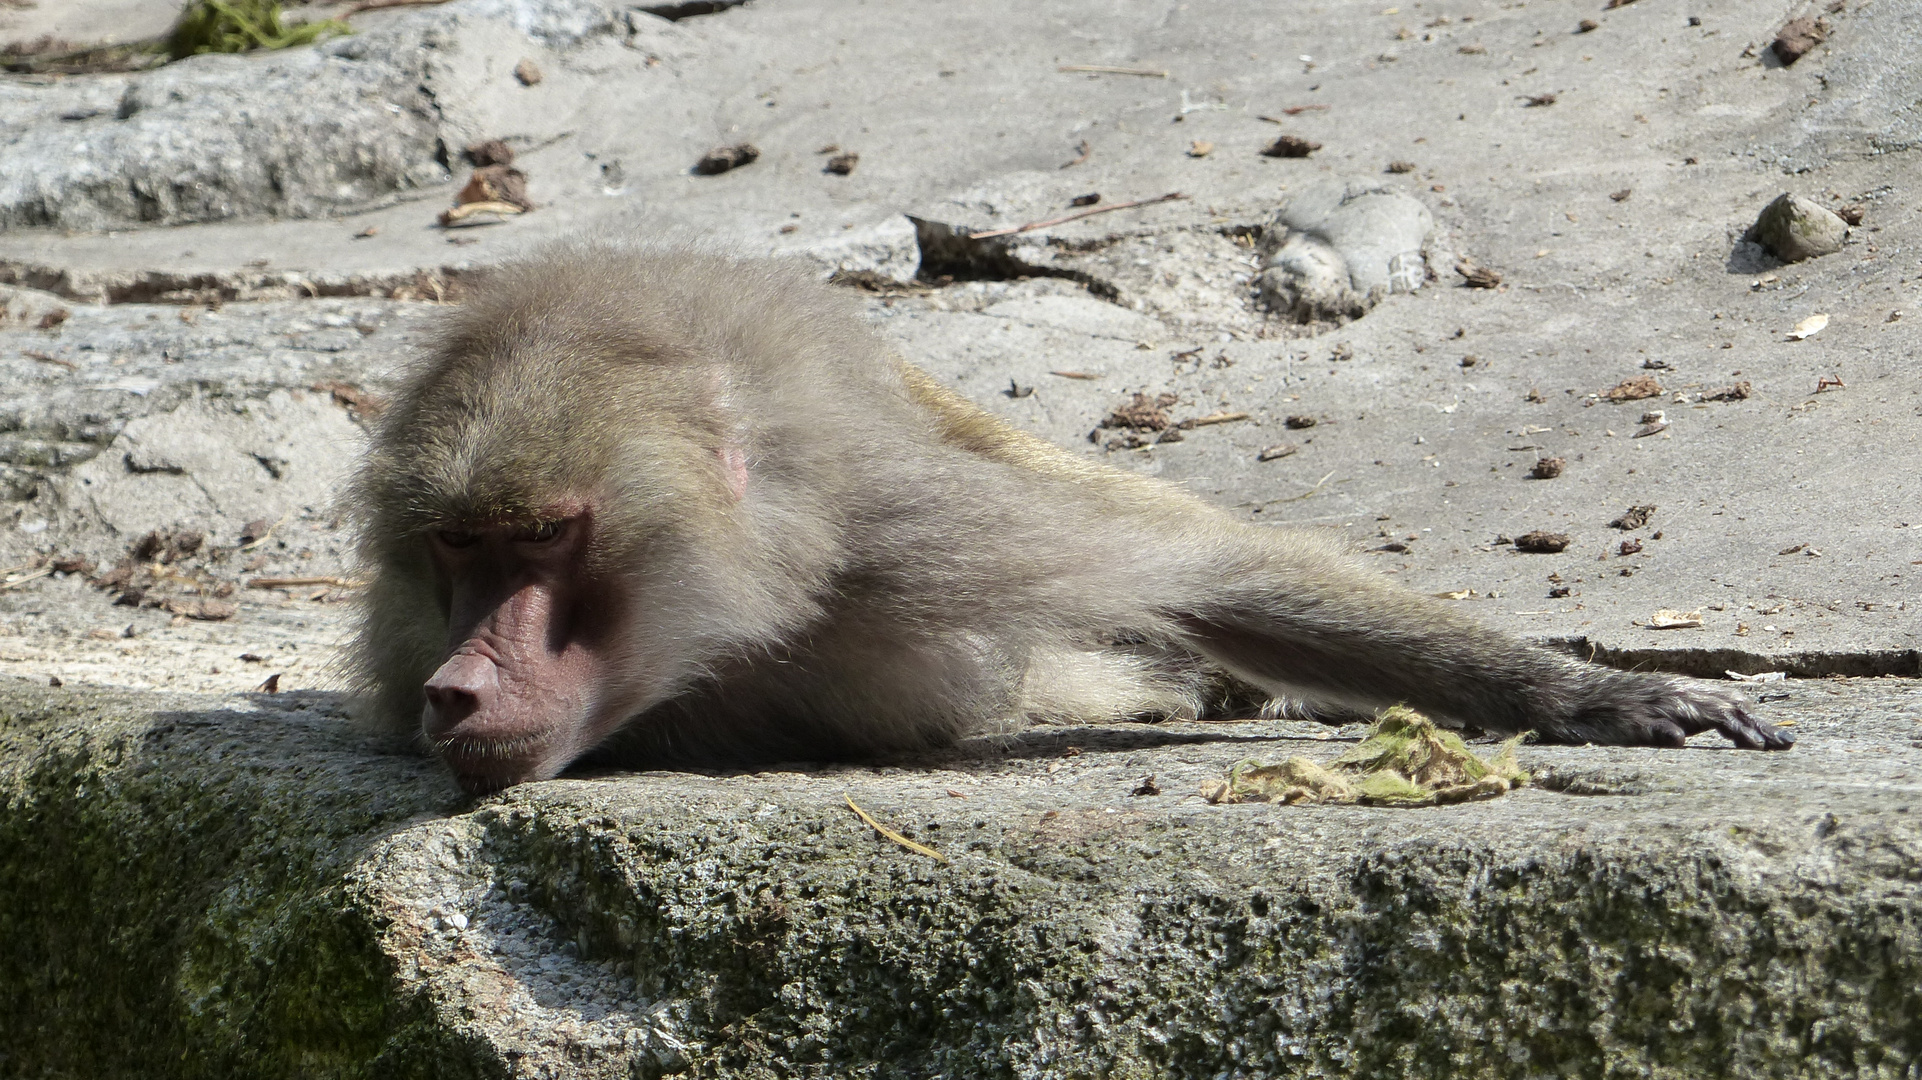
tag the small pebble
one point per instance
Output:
(1793, 229)
(722, 158)
(1542, 542)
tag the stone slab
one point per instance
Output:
(226, 883)
(238, 886)
(973, 134)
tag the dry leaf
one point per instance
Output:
(1634, 389)
(1290, 146)
(203, 610)
(1670, 619)
(1633, 518)
(1142, 413)
(1478, 277)
(1542, 542)
(496, 184)
(1809, 327)
(1797, 37)
(462, 213)
(722, 158)
(1404, 760)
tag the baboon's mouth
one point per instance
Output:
(484, 766)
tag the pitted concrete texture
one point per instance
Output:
(1615, 215)
(211, 273)
(96, 22)
(240, 887)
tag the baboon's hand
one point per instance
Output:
(1661, 710)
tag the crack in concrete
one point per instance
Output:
(1716, 662)
(202, 287)
(948, 252)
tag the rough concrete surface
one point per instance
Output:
(237, 887)
(210, 272)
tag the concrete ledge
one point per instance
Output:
(224, 887)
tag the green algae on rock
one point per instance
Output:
(233, 26)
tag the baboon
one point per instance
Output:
(646, 507)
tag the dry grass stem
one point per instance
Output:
(918, 849)
(1033, 225)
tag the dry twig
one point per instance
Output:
(374, 5)
(300, 582)
(1292, 498)
(1214, 418)
(24, 578)
(1102, 69)
(263, 537)
(467, 210)
(1292, 110)
(1033, 225)
(918, 849)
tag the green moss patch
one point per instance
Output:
(233, 26)
(204, 26)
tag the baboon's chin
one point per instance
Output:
(484, 766)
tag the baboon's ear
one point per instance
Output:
(734, 469)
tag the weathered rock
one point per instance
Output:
(1862, 104)
(217, 465)
(241, 888)
(127, 421)
(1797, 37)
(305, 132)
(1793, 229)
(1719, 925)
(1336, 249)
(298, 133)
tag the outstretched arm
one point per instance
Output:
(1296, 617)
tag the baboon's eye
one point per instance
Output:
(457, 538)
(545, 531)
